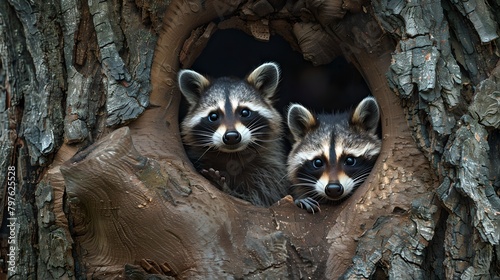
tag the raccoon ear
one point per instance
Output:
(192, 85)
(366, 115)
(266, 79)
(300, 121)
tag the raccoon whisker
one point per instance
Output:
(255, 143)
(253, 125)
(254, 147)
(366, 169)
(306, 177)
(308, 192)
(360, 180)
(205, 135)
(307, 183)
(362, 170)
(290, 172)
(264, 141)
(200, 139)
(267, 134)
(302, 177)
(282, 178)
(208, 131)
(239, 157)
(318, 197)
(310, 189)
(303, 185)
(203, 140)
(312, 194)
(205, 128)
(357, 181)
(262, 133)
(257, 129)
(203, 146)
(362, 173)
(199, 132)
(255, 133)
(254, 122)
(208, 149)
(200, 143)
(361, 177)
(252, 128)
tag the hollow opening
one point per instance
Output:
(334, 87)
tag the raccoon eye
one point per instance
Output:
(213, 117)
(245, 113)
(350, 161)
(317, 163)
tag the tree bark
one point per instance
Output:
(89, 122)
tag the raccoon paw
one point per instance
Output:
(215, 176)
(309, 204)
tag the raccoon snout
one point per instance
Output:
(334, 190)
(231, 137)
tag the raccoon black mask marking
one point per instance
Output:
(232, 132)
(333, 153)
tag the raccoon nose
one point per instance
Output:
(231, 137)
(334, 190)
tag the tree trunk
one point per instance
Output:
(96, 183)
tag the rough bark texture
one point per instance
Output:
(445, 70)
(98, 200)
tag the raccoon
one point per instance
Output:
(232, 133)
(333, 153)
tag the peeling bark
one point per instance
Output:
(448, 131)
(127, 94)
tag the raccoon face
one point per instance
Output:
(230, 115)
(333, 154)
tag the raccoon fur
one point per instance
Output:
(333, 153)
(232, 133)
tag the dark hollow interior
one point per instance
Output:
(336, 86)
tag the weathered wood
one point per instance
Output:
(127, 93)
(435, 79)
(8, 119)
(315, 44)
(485, 107)
(402, 239)
(72, 71)
(31, 91)
(194, 234)
(79, 104)
(40, 77)
(55, 260)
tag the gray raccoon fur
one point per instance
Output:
(332, 154)
(232, 133)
